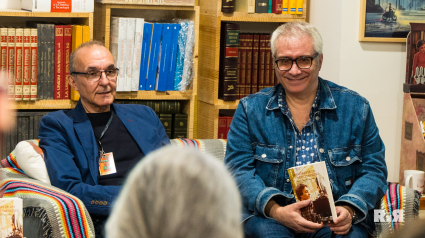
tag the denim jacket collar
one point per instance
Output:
(326, 99)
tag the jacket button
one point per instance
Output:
(92, 202)
(287, 180)
(96, 202)
(321, 150)
(264, 155)
(101, 203)
(105, 203)
(317, 118)
(290, 147)
(348, 158)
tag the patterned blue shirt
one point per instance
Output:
(305, 142)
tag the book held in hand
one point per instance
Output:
(311, 181)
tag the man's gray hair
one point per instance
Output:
(297, 30)
(83, 45)
(177, 192)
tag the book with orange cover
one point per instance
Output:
(77, 39)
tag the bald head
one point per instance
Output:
(74, 59)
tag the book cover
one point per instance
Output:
(311, 181)
(67, 44)
(41, 61)
(173, 56)
(245, 6)
(255, 61)
(285, 4)
(11, 217)
(163, 60)
(50, 61)
(179, 128)
(137, 55)
(26, 68)
(262, 63)
(268, 61)
(77, 39)
(292, 7)
(58, 87)
(184, 27)
(241, 65)
(187, 73)
(119, 35)
(222, 127)
(58, 5)
(19, 48)
(248, 73)
(144, 63)
(261, 6)
(166, 120)
(229, 66)
(277, 6)
(129, 51)
(33, 75)
(154, 55)
(3, 51)
(228, 6)
(11, 63)
(299, 7)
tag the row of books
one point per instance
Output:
(246, 63)
(264, 6)
(151, 56)
(37, 60)
(224, 126)
(58, 5)
(158, 2)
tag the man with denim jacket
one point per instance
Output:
(305, 119)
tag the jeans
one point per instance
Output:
(256, 227)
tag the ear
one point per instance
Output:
(71, 82)
(320, 61)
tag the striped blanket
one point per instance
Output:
(62, 214)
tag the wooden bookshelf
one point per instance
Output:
(45, 104)
(144, 2)
(209, 56)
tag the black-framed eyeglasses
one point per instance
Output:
(94, 76)
(303, 62)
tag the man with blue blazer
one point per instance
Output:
(90, 149)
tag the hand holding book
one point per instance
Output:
(342, 223)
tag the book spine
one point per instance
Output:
(230, 64)
(300, 8)
(67, 44)
(50, 43)
(153, 56)
(277, 6)
(122, 35)
(255, 56)
(144, 63)
(292, 6)
(188, 57)
(131, 29)
(3, 51)
(248, 73)
(269, 6)
(262, 63)
(228, 121)
(33, 75)
(11, 63)
(180, 55)
(41, 61)
(138, 40)
(222, 125)
(19, 48)
(267, 59)
(77, 40)
(285, 4)
(58, 87)
(26, 72)
(228, 6)
(261, 6)
(179, 128)
(173, 57)
(164, 61)
(239, 83)
(166, 120)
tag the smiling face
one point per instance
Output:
(296, 81)
(422, 49)
(95, 96)
(306, 194)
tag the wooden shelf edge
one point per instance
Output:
(226, 104)
(45, 104)
(150, 7)
(261, 17)
(22, 13)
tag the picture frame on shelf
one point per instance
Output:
(380, 24)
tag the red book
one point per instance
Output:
(229, 121)
(262, 63)
(19, 48)
(11, 63)
(222, 128)
(58, 62)
(26, 65)
(33, 77)
(242, 65)
(248, 73)
(67, 42)
(277, 6)
(3, 51)
(255, 55)
(268, 60)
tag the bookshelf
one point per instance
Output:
(211, 18)
(105, 9)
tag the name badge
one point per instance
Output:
(107, 164)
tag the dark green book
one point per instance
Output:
(179, 126)
(166, 120)
(261, 6)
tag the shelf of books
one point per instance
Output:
(235, 57)
(160, 74)
(148, 2)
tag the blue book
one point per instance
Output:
(173, 54)
(144, 60)
(164, 55)
(153, 56)
(269, 10)
(180, 54)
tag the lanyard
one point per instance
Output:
(102, 152)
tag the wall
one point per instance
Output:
(10, 4)
(375, 70)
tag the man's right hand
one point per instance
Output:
(290, 216)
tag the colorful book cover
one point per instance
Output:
(11, 217)
(33, 80)
(311, 181)
(173, 56)
(285, 4)
(277, 6)
(58, 90)
(163, 60)
(11, 63)
(26, 72)
(137, 55)
(67, 43)
(292, 6)
(300, 6)
(154, 55)
(19, 48)
(77, 40)
(144, 63)
(180, 54)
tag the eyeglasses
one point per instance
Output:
(303, 62)
(94, 76)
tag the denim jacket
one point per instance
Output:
(261, 147)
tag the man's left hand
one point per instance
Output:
(342, 223)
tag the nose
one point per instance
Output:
(294, 69)
(103, 80)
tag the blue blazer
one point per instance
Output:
(71, 154)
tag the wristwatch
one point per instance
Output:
(350, 209)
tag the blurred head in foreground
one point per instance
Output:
(7, 114)
(177, 193)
